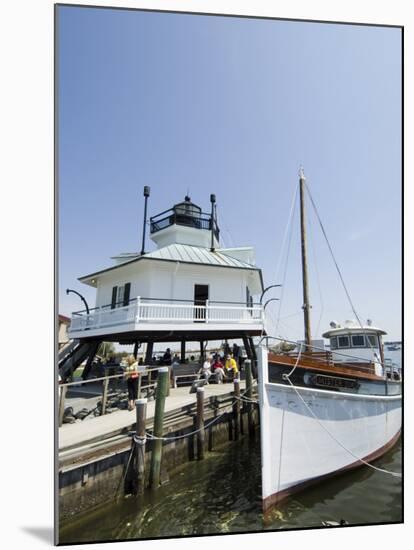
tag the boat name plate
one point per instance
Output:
(334, 382)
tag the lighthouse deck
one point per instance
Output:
(152, 315)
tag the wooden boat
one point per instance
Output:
(324, 412)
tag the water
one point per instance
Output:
(222, 494)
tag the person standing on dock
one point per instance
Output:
(166, 359)
(231, 366)
(131, 375)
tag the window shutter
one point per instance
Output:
(113, 302)
(126, 293)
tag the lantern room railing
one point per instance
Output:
(197, 220)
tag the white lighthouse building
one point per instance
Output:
(188, 289)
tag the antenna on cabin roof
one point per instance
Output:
(146, 195)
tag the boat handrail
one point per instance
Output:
(324, 351)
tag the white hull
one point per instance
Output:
(297, 449)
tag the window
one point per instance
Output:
(372, 340)
(343, 342)
(358, 341)
(120, 295)
(249, 300)
(334, 343)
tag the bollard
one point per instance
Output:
(140, 439)
(249, 386)
(200, 423)
(104, 395)
(236, 408)
(63, 390)
(161, 393)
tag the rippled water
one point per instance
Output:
(222, 494)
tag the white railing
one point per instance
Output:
(147, 311)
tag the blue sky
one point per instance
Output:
(233, 107)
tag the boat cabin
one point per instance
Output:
(356, 342)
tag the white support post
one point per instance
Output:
(138, 312)
(206, 311)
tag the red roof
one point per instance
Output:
(64, 319)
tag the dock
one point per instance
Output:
(78, 438)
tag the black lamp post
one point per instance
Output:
(80, 296)
(265, 290)
(213, 202)
(270, 300)
(146, 195)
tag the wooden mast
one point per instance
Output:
(306, 306)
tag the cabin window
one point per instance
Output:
(372, 340)
(334, 343)
(358, 341)
(343, 342)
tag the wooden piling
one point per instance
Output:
(249, 392)
(161, 394)
(236, 408)
(63, 390)
(141, 410)
(169, 381)
(105, 385)
(200, 423)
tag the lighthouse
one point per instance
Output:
(188, 289)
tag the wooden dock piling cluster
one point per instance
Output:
(162, 392)
(175, 437)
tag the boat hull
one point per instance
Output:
(299, 450)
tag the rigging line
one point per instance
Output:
(315, 262)
(297, 362)
(394, 474)
(332, 254)
(337, 268)
(290, 224)
(272, 317)
(292, 208)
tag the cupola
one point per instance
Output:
(185, 223)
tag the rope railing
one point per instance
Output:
(103, 378)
